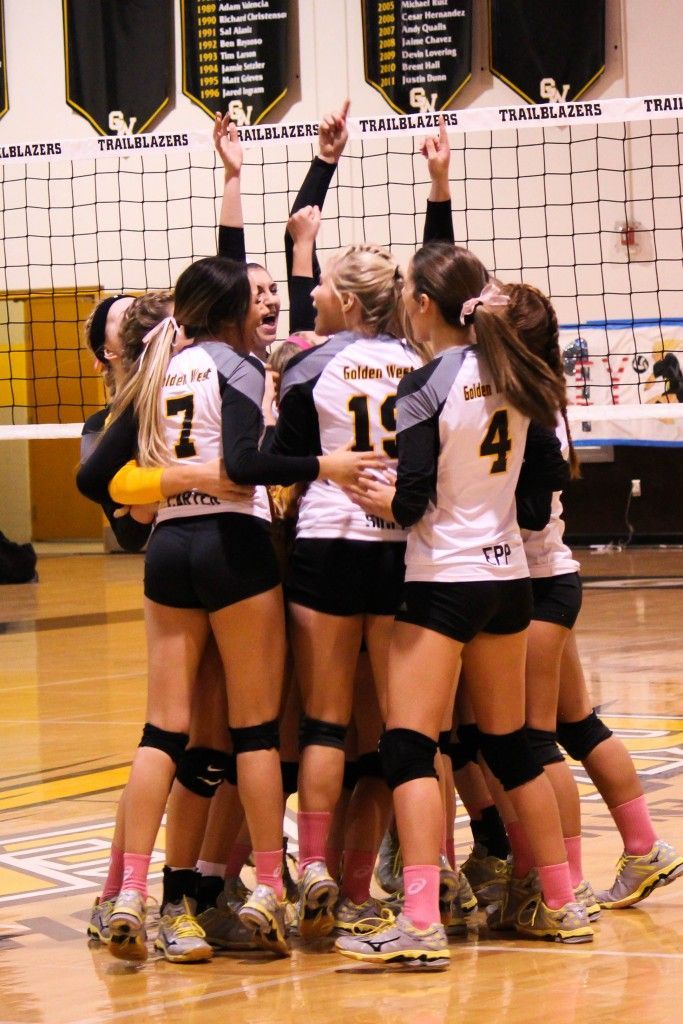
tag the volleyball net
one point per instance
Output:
(583, 200)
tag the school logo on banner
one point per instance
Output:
(547, 52)
(235, 56)
(418, 53)
(118, 62)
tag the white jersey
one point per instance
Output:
(546, 552)
(461, 448)
(343, 393)
(191, 410)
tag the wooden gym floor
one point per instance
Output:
(72, 693)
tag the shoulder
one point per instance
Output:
(95, 423)
(306, 367)
(423, 392)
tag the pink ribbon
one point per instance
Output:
(491, 295)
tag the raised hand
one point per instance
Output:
(436, 149)
(227, 143)
(334, 134)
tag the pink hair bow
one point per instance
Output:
(491, 295)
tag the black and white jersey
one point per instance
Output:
(342, 393)
(546, 552)
(211, 406)
(460, 446)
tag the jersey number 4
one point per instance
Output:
(358, 407)
(184, 446)
(497, 443)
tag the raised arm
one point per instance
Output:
(439, 219)
(332, 138)
(231, 222)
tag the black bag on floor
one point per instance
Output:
(17, 561)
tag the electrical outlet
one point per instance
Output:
(636, 491)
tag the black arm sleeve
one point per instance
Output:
(297, 431)
(418, 454)
(438, 222)
(244, 462)
(301, 308)
(231, 243)
(118, 445)
(544, 471)
(312, 193)
(130, 534)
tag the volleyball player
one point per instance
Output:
(346, 567)
(554, 676)
(461, 432)
(210, 398)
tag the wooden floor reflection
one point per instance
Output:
(72, 694)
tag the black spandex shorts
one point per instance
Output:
(209, 561)
(557, 599)
(461, 610)
(346, 577)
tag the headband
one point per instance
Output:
(98, 323)
(491, 296)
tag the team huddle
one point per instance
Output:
(356, 589)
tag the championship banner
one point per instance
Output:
(235, 56)
(118, 56)
(417, 53)
(547, 51)
(4, 98)
(634, 364)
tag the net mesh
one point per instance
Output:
(590, 213)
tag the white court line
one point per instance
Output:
(241, 989)
(581, 948)
(72, 682)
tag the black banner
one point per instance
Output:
(235, 56)
(417, 52)
(548, 51)
(118, 61)
(4, 98)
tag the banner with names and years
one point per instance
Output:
(417, 53)
(119, 62)
(235, 56)
(547, 51)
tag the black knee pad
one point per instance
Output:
(171, 743)
(313, 732)
(231, 770)
(444, 743)
(510, 757)
(544, 745)
(350, 775)
(290, 776)
(201, 770)
(466, 747)
(580, 739)
(250, 738)
(407, 755)
(370, 766)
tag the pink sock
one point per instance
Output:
(358, 868)
(633, 821)
(112, 885)
(333, 859)
(208, 869)
(237, 859)
(556, 885)
(572, 845)
(269, 869)
(313, 830)
(135, 868)
(522, 857)
(421, 887)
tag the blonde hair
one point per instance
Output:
(371, 274)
